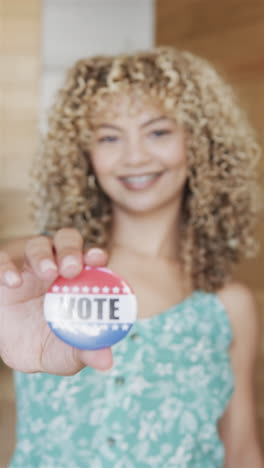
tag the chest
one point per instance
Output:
(157, 284)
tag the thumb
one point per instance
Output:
(101, 359)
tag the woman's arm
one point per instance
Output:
(238, 426)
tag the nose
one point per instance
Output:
(135, 152)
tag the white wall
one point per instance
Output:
(72, 29)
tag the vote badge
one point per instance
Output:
(93, 310)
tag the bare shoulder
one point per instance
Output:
(241, 306)
(238, 425)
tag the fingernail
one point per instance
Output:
(94, 251)
(105, 371)
(11, 278)
(46, 265)
(102, 360)
(69, 261)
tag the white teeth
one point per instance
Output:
(144, 178)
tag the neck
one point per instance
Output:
(155, 234)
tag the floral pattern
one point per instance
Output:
(158, 407)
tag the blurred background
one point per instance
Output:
(40, 39)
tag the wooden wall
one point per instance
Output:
(30, 75)
(19, 101)
(19, 88)
(230, 34)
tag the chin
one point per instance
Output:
(140, 206)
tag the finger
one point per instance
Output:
(9, 274)
(96, 257)
(39, 255)
(59, 358)
(101, 359)
(68, 243)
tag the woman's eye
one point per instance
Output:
(159, 133)
(107, 139)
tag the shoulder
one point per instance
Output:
(238, 425)
(243, 313)
(234, 291)
(239, 302)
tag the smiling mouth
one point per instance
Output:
(140, 181)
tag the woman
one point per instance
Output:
(149, 157)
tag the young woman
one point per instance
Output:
(150, 158)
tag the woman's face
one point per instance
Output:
(139, 158)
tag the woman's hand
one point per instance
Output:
(27, 344)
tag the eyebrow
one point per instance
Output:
(142, 126)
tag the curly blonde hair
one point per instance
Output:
(221, 197)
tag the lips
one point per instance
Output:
(137, 182)
(137, 176)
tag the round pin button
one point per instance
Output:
(93, 310)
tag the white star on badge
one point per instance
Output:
(87, 267)
(55, 288)
(75, 289)
(94, 331)
(115, 290)
(95, 289)
(115, 327)
(105, 289)
(126, 289)
(65, 289)
(85, 289)
(125, 327)
(104, 327)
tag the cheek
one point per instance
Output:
(101, 164)
(175, 155)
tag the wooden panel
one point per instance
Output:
(18, 70)
(14, 210)
(19, 100)
(251, 89)
(7, 416)
(231, 35)
(18, 9)
(216, 29)
(259, 370)
(19, 89)
(18, 34)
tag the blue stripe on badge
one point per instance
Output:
(105, 338)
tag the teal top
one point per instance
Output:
(158, 407)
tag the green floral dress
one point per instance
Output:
(158, 407)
